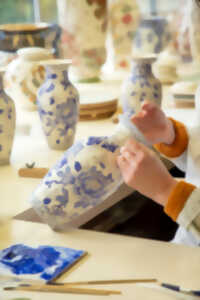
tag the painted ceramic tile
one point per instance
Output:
(44, 263)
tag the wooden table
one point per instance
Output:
(110, 257)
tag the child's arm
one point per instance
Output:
(168, 136)
(143, 171)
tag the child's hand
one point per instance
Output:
(143, 170)
(154, 125)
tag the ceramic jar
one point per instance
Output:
(124, 16)
(140, 85)
(16, 36)
(84, 41)
(58, 105)
(152, 36)
(7, 124)
(24, 76)
(77, 188)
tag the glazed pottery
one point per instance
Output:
(17, 36)
(152, 36)
(24, 76)
(84, 41)
(140, 85)
(7, 124)
(77, 187)
(58, 105)
(124, 16)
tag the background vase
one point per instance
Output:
(194, 34)
(24, 76)
(16, 36)
(140, 85)
(152, 36)
(58, 105)
(7, 124)
(124, 16)
(84, 42)
(77, 188)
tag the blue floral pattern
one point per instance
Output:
(73, 185)
(58, 106)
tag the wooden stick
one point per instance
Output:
(118, 281)
(62, 289)
(33, 172)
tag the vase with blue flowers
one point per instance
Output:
(140, 85)
(7, 124)
(58, 105)
(77, 188)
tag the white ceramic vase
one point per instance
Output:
(124, 16)
(140, 85)
(77, 188)
(7, 124)
(58, 105)
(24, 76)
(83, 25)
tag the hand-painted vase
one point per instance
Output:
(140, 85)
(24, 76)
(7, 124)
(58, 105)
(77, 187)
(124, 16)
(84, 41)
(152, 36)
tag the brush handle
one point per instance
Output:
(33, 172)
(65, 289)
(118, 281)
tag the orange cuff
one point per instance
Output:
(180, 143)
(178, 198)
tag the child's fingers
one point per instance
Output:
(148, 106)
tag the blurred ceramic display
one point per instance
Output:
(124, 16)
(184, 91)
(6, 58)
(7, 124)
(152, 36)
(58, 105)
(84, 41)
(140, 85)
(77, 188)
(194, 25)
(166, 65)
(24, 76)
(17, 36)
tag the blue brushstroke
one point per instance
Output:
(20, 259)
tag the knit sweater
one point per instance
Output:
(183, 204)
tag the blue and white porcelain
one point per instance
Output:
(140, 85)
(58, 105)
(152, 36)
(77, 188)
(7, 124)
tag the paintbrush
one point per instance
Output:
(61, 289)
(104, 282)
(177, 288)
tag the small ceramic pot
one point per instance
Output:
(140, 85)
(7, 124)
(58, 105)
(81, 182)
(124, 16)
(152, 36)
(24, 76)
(17, 36)
(84, 42)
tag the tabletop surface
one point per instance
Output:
(110, 256)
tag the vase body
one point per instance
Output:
(16, 36)
(84, 42)
(140, 85)
(24, 76)
(152, 36)
(7, 124)
(58, 106)
(124, 16)
(81, 181)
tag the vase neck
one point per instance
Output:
(56, 73)
(141, 68)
